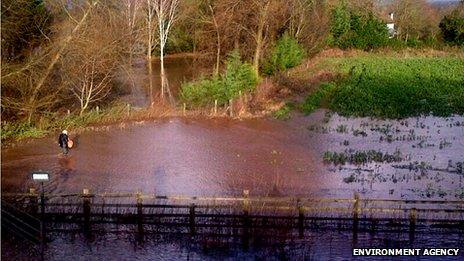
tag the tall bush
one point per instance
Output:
(238, 77)
(287, 53)
(452, 29)
(354, 29)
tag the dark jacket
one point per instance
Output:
(63, 140)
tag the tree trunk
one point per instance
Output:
(218, 43)
(259, 37)
(162, 72)
(218, 54)
(259, 43)
(150, 80)
(149, 62)
(57, 56)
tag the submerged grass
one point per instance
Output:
(392, 87)
(360, 157)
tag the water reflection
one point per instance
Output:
(319, 245)
(179, 69)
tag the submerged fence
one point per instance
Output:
(243, 216)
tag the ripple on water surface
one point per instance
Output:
(319, 155)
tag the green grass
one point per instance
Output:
(20, 130)
(284, 112)
(53, 122)
(392, 87)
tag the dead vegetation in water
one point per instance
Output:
(361, 157)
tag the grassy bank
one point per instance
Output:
(388, 85)
(54, 122)
(47, 124)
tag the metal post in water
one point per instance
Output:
(86, 210)
(33, 202)
(140, 213)
(412, 223)
(246, 219)
(300, 218)
(42, 222)
(192, 219)
(356, 210)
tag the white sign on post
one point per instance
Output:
(40, 176)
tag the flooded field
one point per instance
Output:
(412, 158)
(321, 155)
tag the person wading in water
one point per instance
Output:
(63, 141)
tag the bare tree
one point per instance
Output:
(166, 14)
(218, 39)
(308, 22)
(258, 35)
(60, 51)
(93, 83)
(208, 23)
(151, 42)
(97, 52)
(33, 95)
(251, 24)
(18, 87)
(130, 13)
(415, 19)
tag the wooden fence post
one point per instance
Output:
(184, 109)
(412, 223)
(246, 219)
(215, 107)
(139, 201)
(300, 218)
(231, 110)
(192, 218)
(86, 209)
(33, 201)
(97, 109)
(356, 210)
(128, 109)
(240, 97)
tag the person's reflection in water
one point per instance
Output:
(67, 165)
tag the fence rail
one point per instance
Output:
(243, 215)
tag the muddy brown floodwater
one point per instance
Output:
(176, 156)
(179, 69)
(419, 158)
